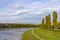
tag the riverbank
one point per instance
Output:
(28, 36)
(42, 34)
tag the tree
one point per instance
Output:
(48, 20)
(54, 18)
(43, 21)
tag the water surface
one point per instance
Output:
(12, 34)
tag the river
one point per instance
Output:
(13, 34)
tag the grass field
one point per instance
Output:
(44, 34)
(28, 36)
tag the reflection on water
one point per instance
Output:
(12, 34)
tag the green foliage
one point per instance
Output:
(43, 21)
(54, 18)
(43, 26)
(48, 20)
(15, 25)
(58, 25)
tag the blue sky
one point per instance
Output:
(19, 10)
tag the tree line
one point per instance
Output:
(50, 22)
(16, 25)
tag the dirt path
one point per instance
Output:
(34, 34)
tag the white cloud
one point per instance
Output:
(17, 6)
(21, 11)
(12, 9)
(34, 5)
(34, 8)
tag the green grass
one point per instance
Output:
(48, 34)
(44, 34)
(28, 36)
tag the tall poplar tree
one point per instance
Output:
(43, 21)
(48, 20)
(54, 18)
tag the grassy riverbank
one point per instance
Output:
(44, 34)
(28, 36)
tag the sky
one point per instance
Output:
(21, 11)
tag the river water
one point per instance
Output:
(12, 34)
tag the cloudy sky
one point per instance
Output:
(21, 11)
